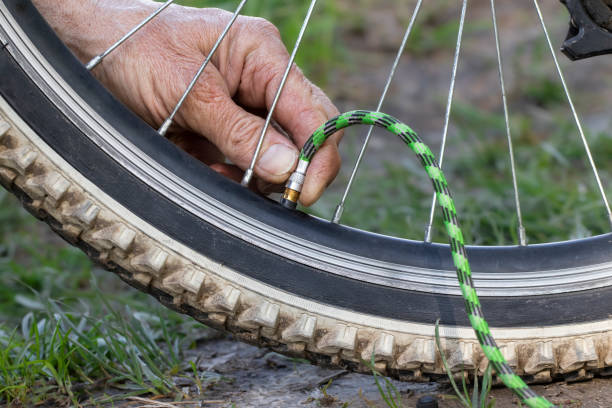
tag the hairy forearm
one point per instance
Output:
(88, 27)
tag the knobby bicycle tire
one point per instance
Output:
(230, 280)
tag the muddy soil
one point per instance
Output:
(239, 375)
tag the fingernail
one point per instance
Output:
(278, 159)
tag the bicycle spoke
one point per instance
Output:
(98, 58)
(521, 229)
(574, 113)
(400, 51)
(166, 125)
(449, 104)
(249, 172)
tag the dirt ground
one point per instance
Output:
(241, 375)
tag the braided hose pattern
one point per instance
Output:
(451, 223)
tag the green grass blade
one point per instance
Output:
(449, 373)
(475, 393)
(391, 394)
(466, 393)
(486, 386)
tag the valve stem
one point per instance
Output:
(290, 198)
(293, 188)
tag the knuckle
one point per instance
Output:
(240, 138)
(271, 71)
(266, 73)
(264, 27)
(208, 90)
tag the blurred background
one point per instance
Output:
(50, 290)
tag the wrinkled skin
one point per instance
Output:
(151, 70)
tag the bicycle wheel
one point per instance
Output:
(205, 246)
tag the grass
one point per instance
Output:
(387, 390)
(480, 387)
(64, 341)
(438, 29)
(61, 354)
(480, 397)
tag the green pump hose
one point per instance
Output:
(451, 223)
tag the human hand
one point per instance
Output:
(150, 72)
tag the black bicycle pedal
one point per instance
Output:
(589, 32)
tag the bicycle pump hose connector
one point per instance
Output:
(294, 185)
(464, 275)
